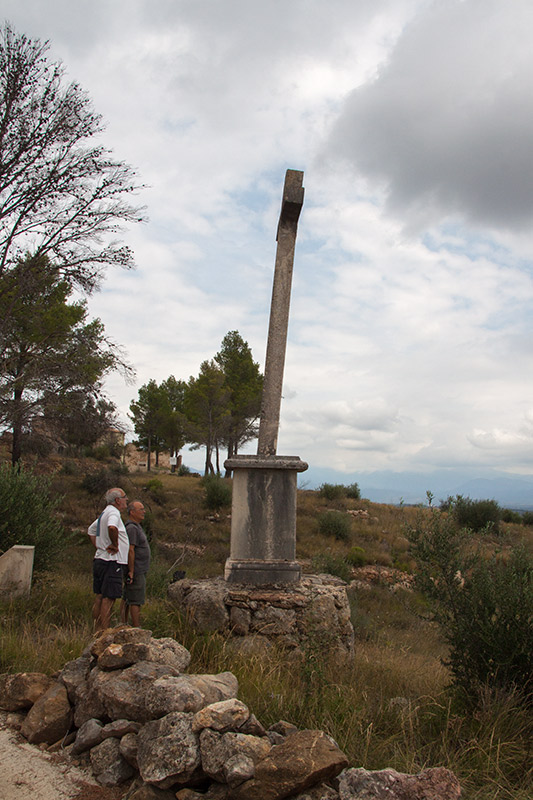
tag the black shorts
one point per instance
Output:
(107, 578)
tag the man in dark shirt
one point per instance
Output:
(138, 565)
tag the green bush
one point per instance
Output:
(332, 491)
(356, 557)
(477, 515)
(527, 518)
(28, 515)
(353, 491)
(332, 565)
(157, 491)
(508, 515)
(217, 492)
(484, 607)
(183, 470)
(335, 523)
(99, 482)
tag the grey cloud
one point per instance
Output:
(447, 125)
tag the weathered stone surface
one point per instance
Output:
(173, 693)
(238, 768)
(22, 689)
(148, 792)
(75, 674)
(217, 750)
(169, 652)
(128, 749)
(302, 760)
(50, 718)
(387, 784)
(320, 792)
(109, 766)
(283, 727)
(123, 634)
(272, 621)
(168, 750)
(89, 735)
(239, 620)
(215, 688)
(223, 716)
(203, 602)
(119, 694)
(253, 727)
(120, 727)
(120, 656)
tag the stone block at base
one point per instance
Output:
(261, 573)
(316, 609)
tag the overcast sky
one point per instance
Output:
(410, 342)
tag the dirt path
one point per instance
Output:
(27, 773)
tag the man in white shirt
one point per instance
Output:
(108, 534)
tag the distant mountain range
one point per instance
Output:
(410, 487)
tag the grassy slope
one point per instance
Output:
(397, 651)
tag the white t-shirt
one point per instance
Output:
(110, 516)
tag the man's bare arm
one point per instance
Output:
(113, 535)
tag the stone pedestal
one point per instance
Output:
(263, 520)
(16, 569)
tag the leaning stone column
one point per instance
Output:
(263, 517)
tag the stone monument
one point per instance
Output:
(263, 520)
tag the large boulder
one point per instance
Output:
(119, 694)
(109, 766)
(188, 693)
(74, 675)
(168, 750)
(203, 602)
(222, 716)
(22, 690)
(226, 757)
(302, 760)
(50, 718)
(437, 783)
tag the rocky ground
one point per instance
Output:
(28, 772)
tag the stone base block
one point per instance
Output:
(314, 611)
(262, 573)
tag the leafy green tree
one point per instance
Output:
(244, 383)
(173, 430)
(80, 418)
(61, 195)
(29, 515)
(49, 347)
(206, 406)
(148, 414)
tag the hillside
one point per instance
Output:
(389, 708)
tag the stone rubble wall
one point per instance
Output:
(128, 707)
(315, 609)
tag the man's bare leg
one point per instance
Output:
(135, 612)
(124, 607)
(97, 605)
(104, 619)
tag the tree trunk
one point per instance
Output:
(149, 455)
(16, 448)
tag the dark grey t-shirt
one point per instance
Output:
(138, 539)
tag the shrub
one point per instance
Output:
(527, 518)
(99, 482)
(353, 491)
(157, 490)
(484, 607)
(332, 491)
(217, 492)
(183, 470)
(332, 565)
(508, 515)
(335, 523)
(356, 557)
(28, 515)
(477, 515)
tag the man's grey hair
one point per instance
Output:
(113, 494)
